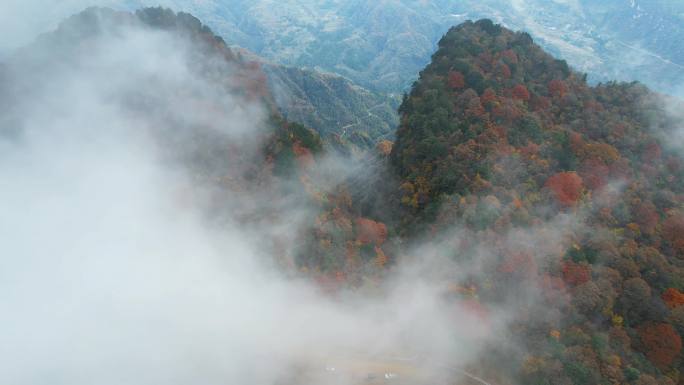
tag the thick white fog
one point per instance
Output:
(110, 272)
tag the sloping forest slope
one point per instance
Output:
(497, 136)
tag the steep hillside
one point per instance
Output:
(498, 137)
(213, 115)
(190, 110)
(332, 105)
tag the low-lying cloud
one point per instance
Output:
(111, 270)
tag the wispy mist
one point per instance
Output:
(113, 272)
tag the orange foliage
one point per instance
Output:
(566, 186)
(575, 274)
(507, 110)
(510, 56)
(662, 344)
(340, 276)
(540, 103)
(673, 231)
(351, 253)
(553, 288)
(646, 215)
(520, 92)
(519, 263)
(603, 151)
(303, 155)
(673, 298)
(504, 71)
(594, 173)
(557, 88)
(456, 80)
(530, 150)
(488, 96)
(474, 108)
(380, 257)
(370, 231)
(384, 147)
(576, 142)
(652, 153)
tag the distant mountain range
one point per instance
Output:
(340, 66)
(382, 45)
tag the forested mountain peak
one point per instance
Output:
(499, 138)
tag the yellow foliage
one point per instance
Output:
(384, 147)
(533, 197)
(533, 364)
(325, 243)
(619, 232)
(634, 229)
(614, 360)
(555, 334)
(408, 187)
(480, 184)
(414, 201)
(380, 257)
(603, 151)
(617, 320)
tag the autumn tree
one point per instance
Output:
(370, 231)
(557, 88)
(661, 344)
(646, 215)
(594, 173)
(520, 92)
(566, 186)
(673, 232)
(673, 298)
(456, 80)
(575, 273)
(384, 147)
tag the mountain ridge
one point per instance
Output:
(498, 138)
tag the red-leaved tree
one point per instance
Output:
(661, 344)
(520, 92)
(673, 232)
(370, 231)
(557, 88)
(456, 80)
(566, 186)
(575, 274)
(673, 298)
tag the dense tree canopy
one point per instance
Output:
(499, 136)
